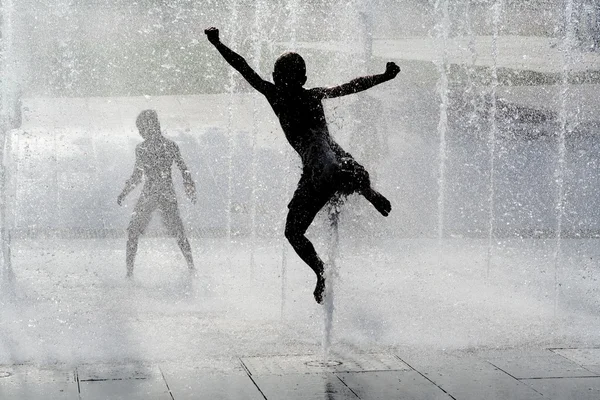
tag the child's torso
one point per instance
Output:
(302, 119)
(157, 158)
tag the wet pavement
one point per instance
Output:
(559, 374)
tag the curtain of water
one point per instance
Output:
(231, 133)
(8, 99)
(567, 47)
(496, 11)
(360, 13)
(366, 17)
(7, 116)
(260, 12)
(442, 34)
(331, 273)
(8, 276)
(470, 90)
(293, 10)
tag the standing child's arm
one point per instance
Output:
(360, 84)
(136, 178)
(237, 61)
(188, 182)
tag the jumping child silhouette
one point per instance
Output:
(154, 158)
(327, 169)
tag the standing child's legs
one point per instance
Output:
(131, 250)
(186, 250)
(140, 219)
(174, 223)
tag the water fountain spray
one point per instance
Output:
(331, 273)
(366, 18)
(8, 112)
(231, 133)
(8, 276)
(259, 12)
(496, 11)
(567, 47)
(293, 6)
(442, 34)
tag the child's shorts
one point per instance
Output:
(349, 177)
(147, 204)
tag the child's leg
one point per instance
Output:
(130, 252)
(354, 177)
(298, 220)
(140, 219)
(172, 220)
(186, 250)
(379, 201)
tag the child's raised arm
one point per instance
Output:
(237, 61)
(360, 84)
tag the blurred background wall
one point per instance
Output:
(81, 71)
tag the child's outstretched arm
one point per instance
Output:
(237, 61)
(136, 178)
(188, 182)
(360, 84)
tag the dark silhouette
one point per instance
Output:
(154, 158)
(327, 169)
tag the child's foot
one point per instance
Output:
(380, 203)
(129, 275)
(319, 290)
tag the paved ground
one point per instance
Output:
(421, 329)
(559, 374)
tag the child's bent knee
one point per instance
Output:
(292, 234)
(289, 233)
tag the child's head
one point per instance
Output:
(289, 70)
(148, 125)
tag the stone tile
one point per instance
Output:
(126, 389)
(581, 356)
(323, 386)
(470, 378)
(567, 388)
(189, 383)
(122, 382)
(594, 369)
(586, 358)
(306, 364)
(213, 366)
(385, 385)
(100, 372)
(537, 364)
(31, 383)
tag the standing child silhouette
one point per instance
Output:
(327, 169)
(154, 158)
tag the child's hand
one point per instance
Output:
(193, 198)
(120, 199)
(212, 34)
(191, 194)
(190, 188)
(391, 70)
